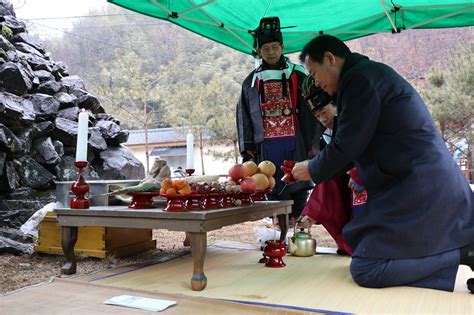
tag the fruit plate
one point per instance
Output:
(143, 200)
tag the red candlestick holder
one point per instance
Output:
(80, 188)
(189, 171)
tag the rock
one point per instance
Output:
(42, 128)
(66, 131)
(96, 140)
(59, 70)
(87, 101)
(33, 174)
(14, 110)
(66, 100)
(68, 172)
(71, 113)
(45, 152)
(3, 156)
(24, 47)
(44, 76)
(49, 88)
(6, 8)
(13, 247)
(46, 105)
(37, 63)
(5, 44)
(15, 25)
(112, 133)
(16, 235)
(72, 82)
(30, 40)
(119, 163)
(9, 180)
(14, 78)
(10, 141)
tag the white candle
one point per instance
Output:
(190, 150)
(82, 133)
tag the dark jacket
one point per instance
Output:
(419, 203)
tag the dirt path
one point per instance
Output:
(20, 271)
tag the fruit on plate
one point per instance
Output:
(248, 184)
(271, 182)
(267, 168)
(237, 172)
(250, 168)
(261, 181)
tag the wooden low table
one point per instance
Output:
(196, 223)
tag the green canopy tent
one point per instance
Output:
(231, 22)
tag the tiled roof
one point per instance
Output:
(160, 136)
(155, 136)
(174, 151)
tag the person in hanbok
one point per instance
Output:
(329, 203)
(273, 123)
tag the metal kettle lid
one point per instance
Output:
(302, 234)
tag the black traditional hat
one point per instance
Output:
(268, 31)
(314, 96)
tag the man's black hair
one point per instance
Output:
(316, 48)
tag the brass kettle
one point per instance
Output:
(301, 244)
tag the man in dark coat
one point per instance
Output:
(273, 123)
(418, 224)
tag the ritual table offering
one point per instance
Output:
(275, 250)
(287, 167)
(175, 204)
(142, 200)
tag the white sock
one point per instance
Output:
(464, 273)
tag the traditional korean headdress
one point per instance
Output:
(268, 31)
(314, 96)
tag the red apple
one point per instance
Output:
(248, 184)
(236, 172)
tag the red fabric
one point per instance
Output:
(330, 205)
(355, 176)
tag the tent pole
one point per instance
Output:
(441, 17)
(388, 16)
(162, 7)
(219, 24)
(196, 7)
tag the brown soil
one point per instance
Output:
(20, 271)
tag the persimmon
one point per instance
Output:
(166, 183)
(185, 191)
(171, 192)
(179, 184)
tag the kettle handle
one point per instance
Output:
(301, 228)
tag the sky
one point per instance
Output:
(48, 17)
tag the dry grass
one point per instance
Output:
(20, 271)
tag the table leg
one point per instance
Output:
(283, 222)
(187, 241)
(198, 251)
(68, 240)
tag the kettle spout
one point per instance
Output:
(292, 248)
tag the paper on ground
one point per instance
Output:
(149, 304)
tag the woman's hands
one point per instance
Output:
(305, 222)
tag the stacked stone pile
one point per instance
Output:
(39, 106)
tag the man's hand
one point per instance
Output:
(300, 171)
(306, 222)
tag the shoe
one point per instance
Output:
(467, 256)
(470, 285)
